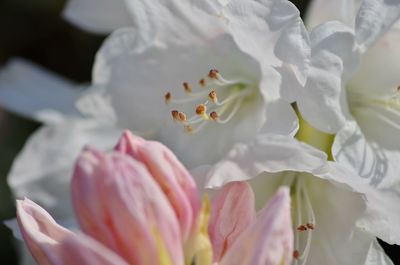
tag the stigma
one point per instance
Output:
(217, 101)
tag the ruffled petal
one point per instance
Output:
(98, 16)
(270, 153)
(376, 165)
(272, 32)
(34, 92)
(321, 11)
(332, 61)
(374, 18)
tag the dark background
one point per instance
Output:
(35, 30)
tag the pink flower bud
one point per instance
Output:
(176, 182)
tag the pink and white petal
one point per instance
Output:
(269, 241)
(40, 232)
(173, 178)
(134, 214)
(375, 18)
(34, 92)
(84, 250)
(98, 16)
(232, 211)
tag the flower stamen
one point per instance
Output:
(303, 203)
(208, 107)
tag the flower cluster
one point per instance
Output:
(249, 100)
(139, 205)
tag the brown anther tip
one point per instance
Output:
(213, 96)
(214, 115)
(310, 226)
(296, 254)
(188, 128)
(201, 109)
(175, 115)
(187, 87)
(167, 97)
(213, 73)
(202, 82)
(302, 228)
(398, 88)
(182, 116)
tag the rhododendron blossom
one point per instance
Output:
(139, 205)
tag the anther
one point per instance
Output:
(167, 97)
(296, 254)
(310, 226)
(178, 115)
(202, 82)
(213, 74)
(201, 109)
(182, 116)
(214, 115)
(187, 87)
(213, 96)
(302, 228)
(398, 88)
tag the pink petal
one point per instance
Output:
(118, 203)
(40, 232)
(83, 250)
(269, 241)
(50, 243)
(232, 212)
(176, 182)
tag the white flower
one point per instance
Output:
(354, 84)
(251, 44)
(240, 51)
(335, 214)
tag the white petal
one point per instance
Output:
(336, 239)
(373, 19)
(35, 92)
(374, 164)
(136, 82)
(270, 31)
(378, 73)
(174, 21)
(325, 10)
(332, 59)
(382, 214)
(377, 256)
(43, 169)
(281, 119)
(98, 16)
(270, 153)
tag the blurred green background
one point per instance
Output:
(35, 30)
